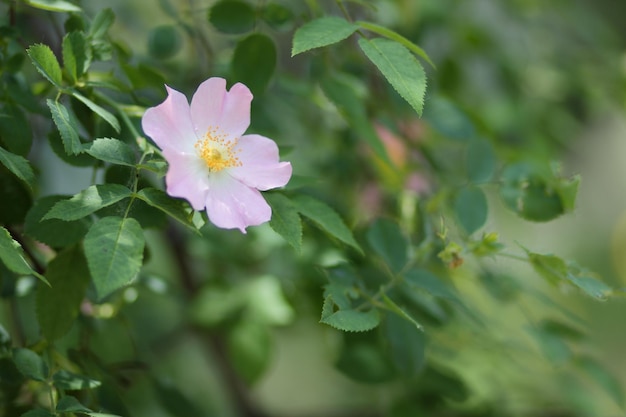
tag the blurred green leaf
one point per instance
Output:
(67, 125)
(470, 207)
(12, 257)
(550, 267)
(69, 404)
(388, 241)
(164, 41)
(46, 63)
(352, 320)
(603, 377)
(321, 32)
(88, 201)
(105, 114)
(480, 161)
(277, 16)
(405, 74)
(326, 218)
(30, 364)
(53, 232)
(267, 303)
(114, 251)
(363, 359)
(65, 380)
(175, 402)
(232, 16)
(352, 108)
(101, 23)
(15, 130)
(285, 219)
(54, 5)
(58, 305)
(250, 348)
(449, 120)
(407, 345)
(19, 166)
(76, 55)
(38, 412)
(175, 208)
(426, 280)
(394, 36)
(111, 150)
(254, 62)
(401, 312)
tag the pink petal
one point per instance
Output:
(213, 107)
(187, 177)
(207, 104)
(233, 205)
(260, 167)
(169, 123)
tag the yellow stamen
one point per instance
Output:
(217, 151)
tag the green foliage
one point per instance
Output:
(389, 250)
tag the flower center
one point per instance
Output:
(216, 151)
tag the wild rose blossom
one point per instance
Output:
(212, 164)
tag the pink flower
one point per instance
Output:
(212, 164)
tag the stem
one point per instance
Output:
(125, 119)
(343, 9)
(513, 256)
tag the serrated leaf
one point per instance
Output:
(88, 201)
(285, 219)
(321, 32)
(54, 5)
(67, 126)
(111, 150)
(353, 109)
(30, 364)
(69, 381)
(104, 114)
(470, 207)
(46, 63)
(254, 61)
(75, 55)
(388, 241)
(69, 404)
(19, 166)
(114, 251)
(11, 256)
(353, 320)
(401, 69)
(57, 306)
(175, 208)
(326, 218)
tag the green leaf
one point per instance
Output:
(106, 115)
(387, 240)
(480, 161)
(277, 16)
(164, 41)
(88, 201)
(101, 23)
(175, 208)
(352, 107)
(450, 121)
(67, 125)
(38, 412)
(46, 63)
(15, 130)
(390, 34)
(326, 218)
(75, 55)
(591, 286)
(285, 219)
(232, 16)
(30, 364)
(603, 377)
(254, 62)
(174, 401)
(550, 267)
(406, 345)
(12, 257)
(57, 306)
(400, 312)
(69, 404)
(54, 5)
(114, 251)
(249, 348)
(401, 69)
(53, 232)
(352, 320)
(19, 166)
(471, 208)
(321, 32)
(72, 382)
(111, 150)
